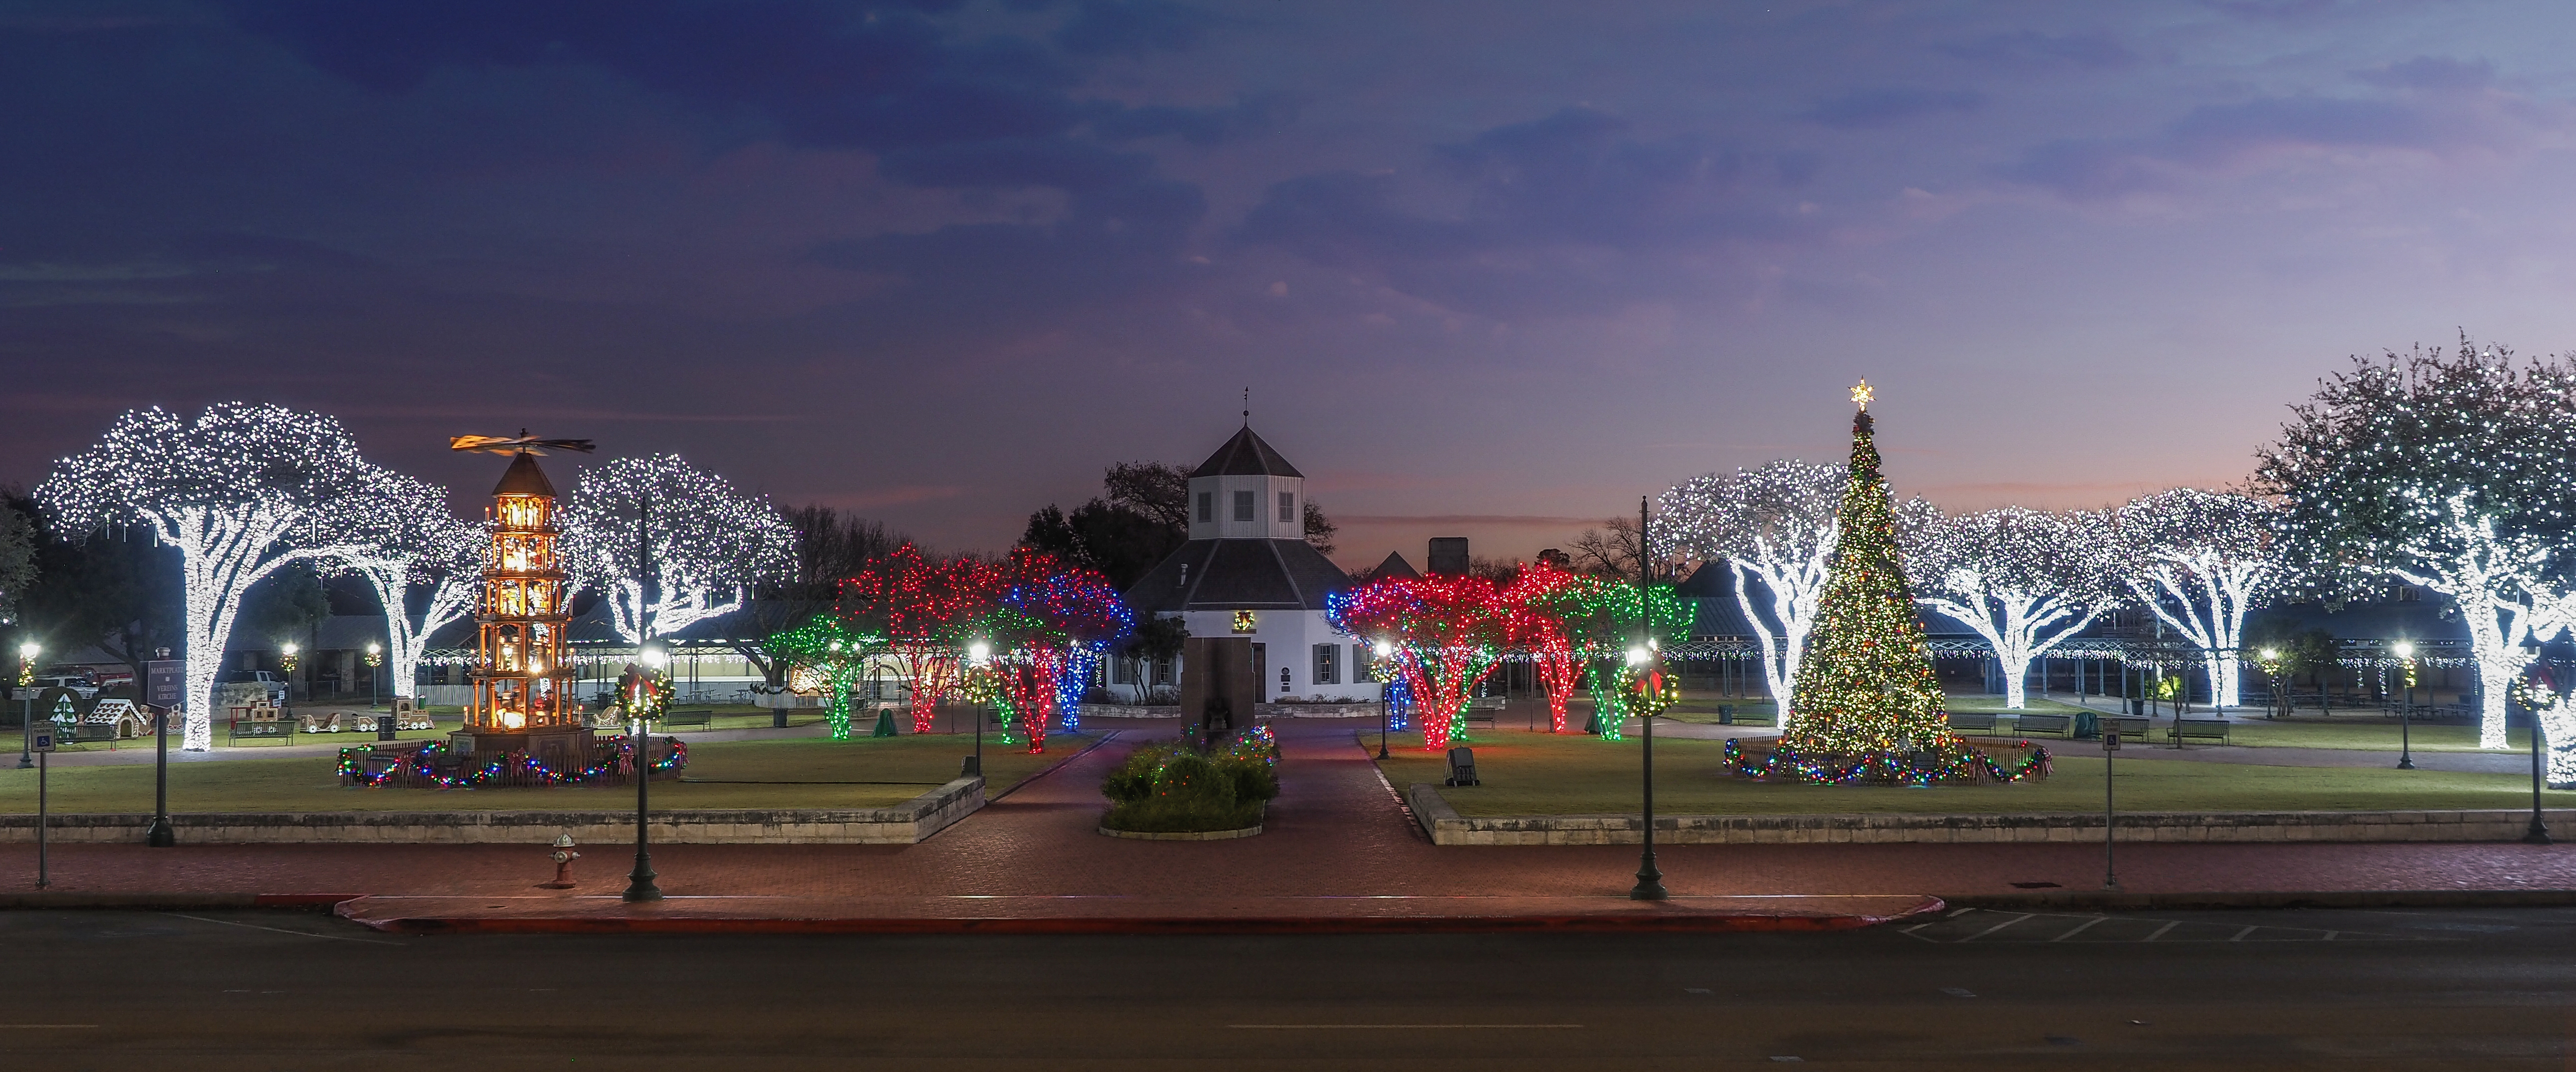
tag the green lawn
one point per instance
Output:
(868, 772)
(1545, 774)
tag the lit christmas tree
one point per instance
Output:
(1866, 682)
(1866, 707)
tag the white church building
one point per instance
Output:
(1248, 571)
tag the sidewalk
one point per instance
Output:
(1338, 852)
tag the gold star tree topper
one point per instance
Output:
(1861, 395)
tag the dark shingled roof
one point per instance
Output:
(1394, 566)
(524, 478)
(1246, 455)
(1239, 575)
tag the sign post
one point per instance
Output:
(42, 743)
(2110, 818)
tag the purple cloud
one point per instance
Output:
(1888, 106)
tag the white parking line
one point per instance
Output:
(2240, 935)
(1996, 927)
(2079, 928)
(2160, 931)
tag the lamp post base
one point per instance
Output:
(161, 835)
(2538, 834)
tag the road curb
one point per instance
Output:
(2106, 899)
(1553, 924)
(77, 900)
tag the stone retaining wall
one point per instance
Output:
(913, 821)
(1447, 827)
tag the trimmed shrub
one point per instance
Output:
(1166, 788)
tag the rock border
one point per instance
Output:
(1446, 827)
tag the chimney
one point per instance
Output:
(1449, 555)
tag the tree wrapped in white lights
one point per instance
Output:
(2025, 580)
(703, 543)
(2200, 560)
(2448, 471)
(241, 490)
(397, 531)
(1774, 523)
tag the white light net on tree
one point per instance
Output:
(708, 543)
(2199, 560)
(396, 532)
(240, 490)
(2025, 580)
(1774, 523)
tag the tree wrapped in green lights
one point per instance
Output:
(1866, 706)
(837, 652)
(1599, 619)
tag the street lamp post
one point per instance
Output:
(2272, 680)
(1650, 880)
(639, 883)
(1384, 652)
(375, 672)
(2405, 652)
(27, 653)
(2538, 833)
(976, 654)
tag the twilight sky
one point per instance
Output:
(1492, 268)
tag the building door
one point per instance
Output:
(1260, 673)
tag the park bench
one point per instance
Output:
(1483, 709)
(2129, 727)
(700, 717)
(261, 724)
(2199, 729)
(1976, 722)
(1727, 715)
(2045, 726)
(1462, 767)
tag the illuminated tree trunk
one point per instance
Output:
(934, 673)
(1557, 674)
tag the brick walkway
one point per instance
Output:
(1337, 846)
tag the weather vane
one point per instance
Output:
(1861, 395)
(521, 444)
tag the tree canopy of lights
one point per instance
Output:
(2447, 470)
(240, 490)
(1775, 523)
(1866, 686)
(396, 532)
(708, 543)
(1593, 621)
(927, 609)
(839, 653)
(1447, 632)
(2199, 560)
(1074, 617)
(2025, 580)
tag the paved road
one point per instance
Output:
(1977, 990)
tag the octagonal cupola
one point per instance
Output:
(1246, 491)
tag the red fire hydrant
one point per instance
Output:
(564, 856)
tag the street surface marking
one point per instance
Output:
(1387, 1027)
(1996, 927)
(2160, 931)
(2081, 928)
(280, 930)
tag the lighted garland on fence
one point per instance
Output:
(1953, 760)
(509, 769)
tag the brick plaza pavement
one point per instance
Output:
(1337, 846)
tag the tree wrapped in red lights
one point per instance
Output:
(926, 609)
(1046, 631)
(1541, 592)
(1447, 631)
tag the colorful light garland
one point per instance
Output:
(420, 768)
